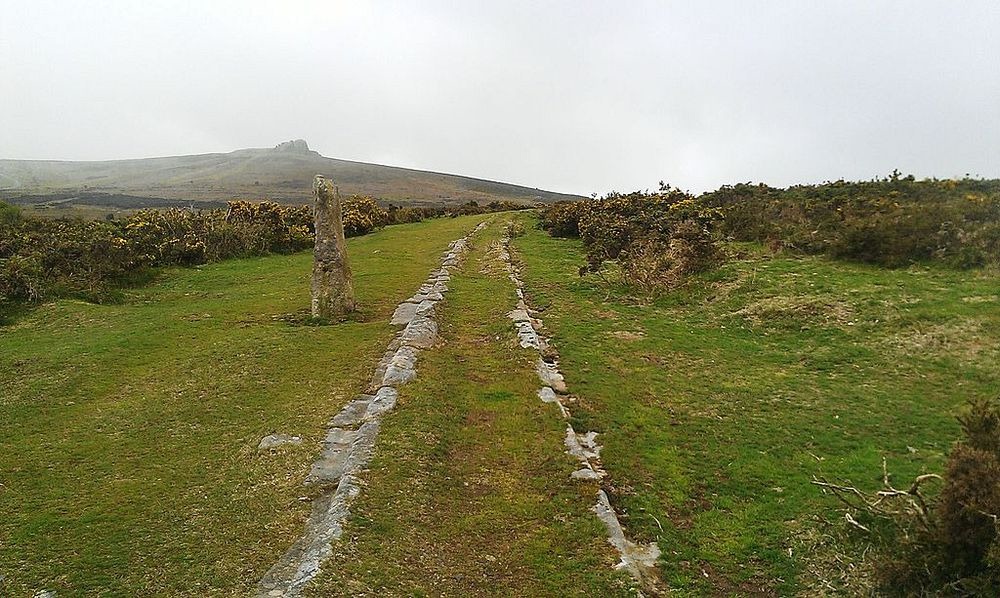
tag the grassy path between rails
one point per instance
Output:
(468, 492)
(718, 403)
(128, 433)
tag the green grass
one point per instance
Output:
(128, 433)
(718, 403)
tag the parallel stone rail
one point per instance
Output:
(351, 436)
(638, 560)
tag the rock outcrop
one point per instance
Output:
(298, 146)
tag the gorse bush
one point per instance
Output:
(655, 264)
(9, 215)
(91, 259)
(562, 219)
(41, 258)
(362, 215)
(658, 239)
(471, 208)
(405, 215)
(943, 545)
(612, 223)
(894, 221)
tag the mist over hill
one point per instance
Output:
(283, 173)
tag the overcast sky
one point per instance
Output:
(572, 96)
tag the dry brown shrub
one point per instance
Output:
(653, 266)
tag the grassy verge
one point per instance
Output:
(718, 403)
(469, 493)
(128, 433)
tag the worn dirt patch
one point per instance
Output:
(796, 312)
(480, 418)
(605, 314)
(829, 569)
(724, 586)
(628, 335)
(965, 340)
(492, 263)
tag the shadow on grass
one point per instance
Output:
(115, 292)
(304, 317)
(12, 311)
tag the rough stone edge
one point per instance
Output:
(304, 558)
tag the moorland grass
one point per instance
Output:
(128, 433)
(128, 461)
(719, 402)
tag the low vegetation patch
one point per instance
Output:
(659, 239)
(963, 340)
(796, 312)
(43, 258)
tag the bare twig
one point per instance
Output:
(854, 522)
(660, 525)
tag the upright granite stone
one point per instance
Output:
(332, 290)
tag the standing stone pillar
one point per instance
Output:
(332, 290)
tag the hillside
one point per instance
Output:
(283, 173)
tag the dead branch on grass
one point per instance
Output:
(889, 503)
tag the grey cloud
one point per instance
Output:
(571, 96)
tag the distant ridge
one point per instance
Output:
(283, 173)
